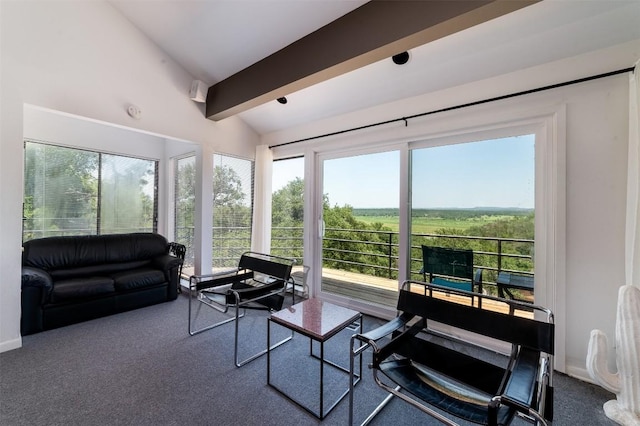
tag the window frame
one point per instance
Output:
(98, 229)
(501, 119)
(232, 260)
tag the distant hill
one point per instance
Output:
(447, 213)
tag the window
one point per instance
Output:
(128, 201)
(185, 204)
(76, 192)
(232, 209)
(477, 195)
(287, 210)
(360, 198)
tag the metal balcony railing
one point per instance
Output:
(372, 252)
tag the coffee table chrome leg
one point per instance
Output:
(362, 346)
(321, 380)
(351, 386)
(268, 351)
(296, 323)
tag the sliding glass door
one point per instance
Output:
(477, 195)
(359, 228)
(480, 196)
(287, 209)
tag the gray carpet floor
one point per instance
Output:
(143, 368)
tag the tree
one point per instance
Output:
(287, 219)
(125, 205)
(288, 204)
(353, 245)
(62, 186)
(185, 205)
(514, 227)
(231, 216)
(185, 194)
(227, 186)
(349, 244)
(60, 191)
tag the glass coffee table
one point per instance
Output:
(319, 321)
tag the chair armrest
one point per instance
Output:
(522, 383)
(477, 276)
(385, 329)
(225, 278)
(393, 346)
(477, 280)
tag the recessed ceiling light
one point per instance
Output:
(282, 100)
(400, 58)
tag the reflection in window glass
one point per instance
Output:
(287, 208)
(76, 192)
(232, 209)
(60, 191)
(127, 194)
(185, 205)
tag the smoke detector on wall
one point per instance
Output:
(134, 112)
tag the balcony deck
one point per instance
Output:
(377, 290)
(384, 291)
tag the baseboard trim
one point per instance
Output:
(10, 345)
(580, 373)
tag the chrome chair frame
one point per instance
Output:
(415, 321)
(255, 283)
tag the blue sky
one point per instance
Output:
(284, 171)
(491, 173)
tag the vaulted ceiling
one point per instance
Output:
(219, 41)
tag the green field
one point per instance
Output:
(428, 225)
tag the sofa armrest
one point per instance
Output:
(36, 290)
(36, 277)
(170, 265)
(167, 262)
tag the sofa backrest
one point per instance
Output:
(54, 253)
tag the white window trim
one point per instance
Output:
(500, 119)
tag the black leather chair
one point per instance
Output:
(450, 378)
(259, 282)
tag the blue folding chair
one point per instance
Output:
(453, 268)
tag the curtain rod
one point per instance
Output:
(451, 108)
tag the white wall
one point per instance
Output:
(85, 59)
(67, 130)
(64, 129)
(596, 139)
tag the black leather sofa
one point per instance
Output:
(66, 280)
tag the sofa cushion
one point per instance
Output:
(138, 278)
(81, 288)
(105, 269)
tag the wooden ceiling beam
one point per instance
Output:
(377, 30)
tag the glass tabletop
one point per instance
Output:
(315, 318)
